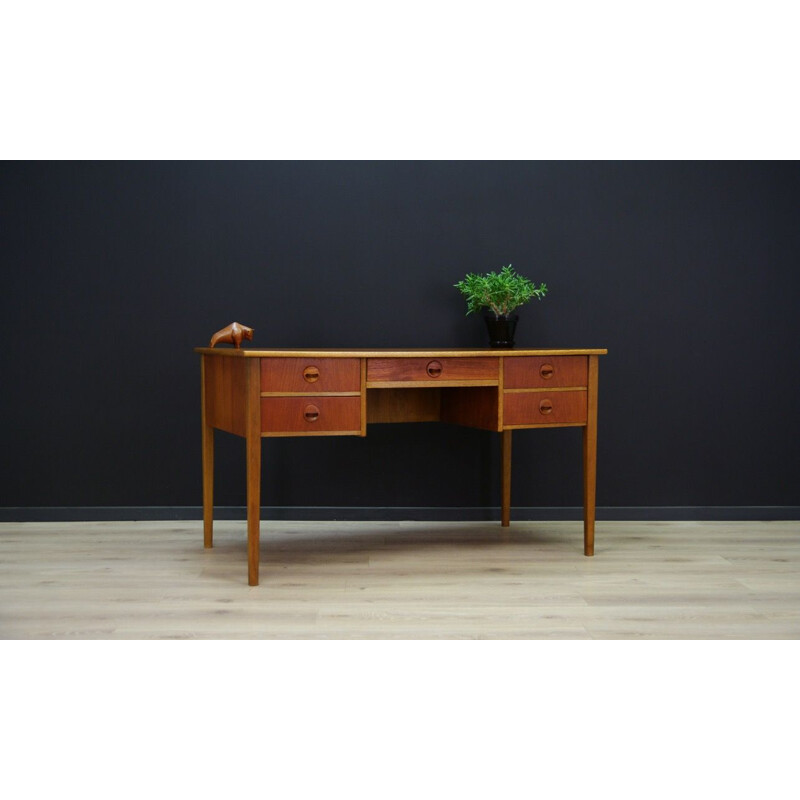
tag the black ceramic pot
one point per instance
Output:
(501, 330)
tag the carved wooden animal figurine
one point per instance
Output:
(232, 334)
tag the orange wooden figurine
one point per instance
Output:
(232, 334)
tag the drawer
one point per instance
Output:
(309, 375)
(432, 370)
(310, 414)
(544, 408)
(534, 372)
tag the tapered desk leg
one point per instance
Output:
(253, 507)
(505, 479)
(208, 485)
(208, 465)
(590, 460)
(589, 483)
(253, 436)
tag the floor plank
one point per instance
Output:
(401, 580)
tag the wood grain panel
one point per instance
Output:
(471, 406)
(416, 369)
(404, 405)
(530, 408)
(225, 396)
(531, 372)
(288, 414)
(334, 375)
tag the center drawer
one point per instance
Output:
(307, 375)
(432, 370)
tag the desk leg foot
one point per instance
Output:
(252, 560)
(505, 479)
(588, 541)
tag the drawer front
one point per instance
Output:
(433, 370)
(310, 414)
(534, 372)
(544, 408)
(310, 375)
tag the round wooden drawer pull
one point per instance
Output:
(547, 371)
(311, 413)
(311, 374)
(545, 407)
(434, 369)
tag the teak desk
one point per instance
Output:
(264, 393)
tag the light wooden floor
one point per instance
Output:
(401, 580)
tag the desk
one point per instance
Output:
(259, 394)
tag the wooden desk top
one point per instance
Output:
(424, 352)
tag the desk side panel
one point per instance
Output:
(225, 383)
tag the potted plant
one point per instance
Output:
(501, 293)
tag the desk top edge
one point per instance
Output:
(422, 352)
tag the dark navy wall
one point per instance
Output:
(112, 272)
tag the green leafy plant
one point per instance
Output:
(502, 291)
